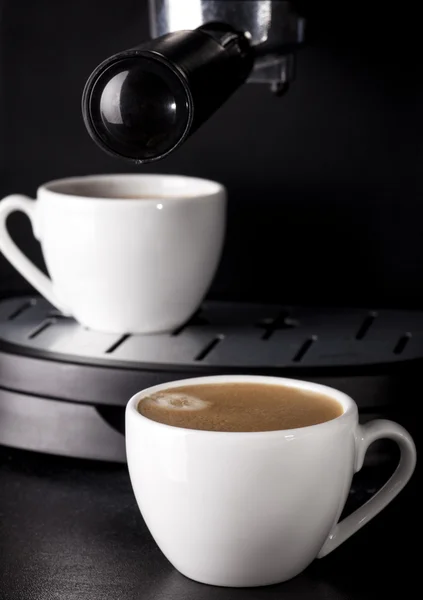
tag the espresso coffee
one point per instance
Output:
(114, 196)
(239, 407)
(146, 197)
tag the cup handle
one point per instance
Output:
(16, 257)
(367, 434)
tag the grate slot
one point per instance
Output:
(209, 348)
(305, 348)
(21, 309)
(365, 326)
(58, 316)
(38, 330)
(197, 320)
(179, 330)
(280, 322)
(117, 344)
(402, 343)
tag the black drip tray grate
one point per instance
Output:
(228, 335)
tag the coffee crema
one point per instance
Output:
(239, 407)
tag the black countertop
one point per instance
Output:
(71, 530)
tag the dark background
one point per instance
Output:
(324, 184)
(325, 187)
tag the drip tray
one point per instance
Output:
(63, 387)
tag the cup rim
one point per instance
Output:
(348, 404)
(206, 188)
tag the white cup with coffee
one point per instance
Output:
(125, 253)
(242, 480)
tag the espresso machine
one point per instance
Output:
(63, 388)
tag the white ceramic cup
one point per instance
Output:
(252, 509)
(118, 263)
